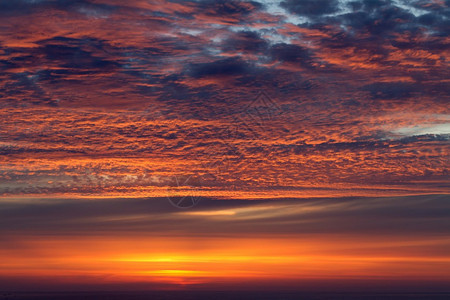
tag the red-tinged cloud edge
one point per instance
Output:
(58, 152)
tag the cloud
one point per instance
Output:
(391, 90)
(436, 129)
(154, 81)
(74, 54)
(225, 67)
(227, 8)
(86, 7)
(345, 216)
(310, 7)
(246, 41)
(292, 54)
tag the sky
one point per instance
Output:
(200, 144)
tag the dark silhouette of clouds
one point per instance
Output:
(310, 7)
(392, 216)
(224, 67)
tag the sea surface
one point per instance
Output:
(219, 295)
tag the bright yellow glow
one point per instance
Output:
(196, 260)
(177, 273)
(211, 213)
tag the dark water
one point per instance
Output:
(191, 295)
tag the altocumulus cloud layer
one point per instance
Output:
(113, 97)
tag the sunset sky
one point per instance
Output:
(207, 145)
